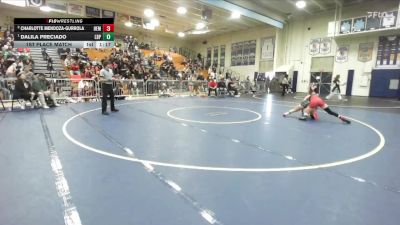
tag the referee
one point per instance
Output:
(106, 78)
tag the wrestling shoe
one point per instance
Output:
(342, 118)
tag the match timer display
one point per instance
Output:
(64, 33)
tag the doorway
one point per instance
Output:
(321, 73)
(323, 79)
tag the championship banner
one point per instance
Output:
(122, 18)
(345, 26)
(365, 52)
(222, 57)
(215, 56)
(267, 48)
(314, 46)
(252, 56)
(246, 52)
(389, 20)
(359, 24)
(325, 46)
(239, 53)
(107, 14)
(388, 54)
(92, 12)
(74, 9)
(342, 53)
(233, 54)
(208, 62)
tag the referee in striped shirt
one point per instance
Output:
(106, 81)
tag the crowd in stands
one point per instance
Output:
(13, 63)
(13, 60)
(128, 62)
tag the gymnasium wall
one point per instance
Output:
(227, 39)
(300, 31)
(156, 40)
(5, 21)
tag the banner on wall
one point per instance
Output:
(233, 54)
(325, 46)
(389, 20)
(388, 54)
(122, 18)
(243, 53)
(92, 12)
(365, 52)
(314, 46)
(267, 49)
(359, 24)
(342, 53)
(215, 57)
(75, 9)
(208, 60)
(107, 14)
(239, 53)
(373, 23)
(345, 26)
(222, 57)
(246, 53)
(252, 54)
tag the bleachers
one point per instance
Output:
(98, 54)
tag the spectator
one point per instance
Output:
(42, 88)
(221, 86)
(285, 84)
(3, 67)
(4, 90)
(232, 87)
(75, 68)
(23, 90)
(11, 70)
(212, 86)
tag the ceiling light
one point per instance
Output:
(235, 15)
(19, 3)
(301, 4)
(128, 23)
(169, 31)
(181, 34)
(200, 26)
(155, 22)
(149, 12)
(149, 26)
(45, 8)
(181, 10)
(200, 31)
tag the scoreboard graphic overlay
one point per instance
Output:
(64, 32)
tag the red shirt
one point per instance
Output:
(74, 67)
(316, 101)
(212, 84)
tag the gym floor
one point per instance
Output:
(193, 160)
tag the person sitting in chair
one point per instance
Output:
(232, 87)
(23, 90)
(221, 86)
(212, 86)
(41, 87)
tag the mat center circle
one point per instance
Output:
(214, 115)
